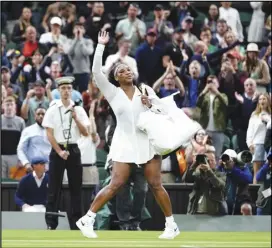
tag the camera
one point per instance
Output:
(210, 81)
(225, 158)
(201, 159)
(244, 157)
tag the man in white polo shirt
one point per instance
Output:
(64, 123)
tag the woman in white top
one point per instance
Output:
(256, 132)
(129, 144)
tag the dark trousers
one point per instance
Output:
(130, 200)
(81, 81)
(57, 165)
(241, 137)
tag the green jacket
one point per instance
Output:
(211, 185)
(220, 105)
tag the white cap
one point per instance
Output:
(56, 20)
(252, 47)
(231, 153)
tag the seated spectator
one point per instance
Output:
(149, 60)
(12, 127)
(213, 116)
(122, 56)
(201, 143)
(208, 195)
(35, 98)
(232, 17)
(263, 176)
(193, 82)
(187, 25)
(87, 146)
(131, 28)
(79, 51)
(31, 44)
(173, 51)
(161, 26)
(167, 174)
(256, 68)
(171, 84)
(31, 194)
(18, 34)
(180, 11)
(211, 20)
(256, 27)
(256, 132)
(238, 179)
(34, 141)
(244, 107)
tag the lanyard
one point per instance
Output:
(61, 119)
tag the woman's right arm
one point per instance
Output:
(107, 89)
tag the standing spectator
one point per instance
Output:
(55, 36)
(18, 33)
(35, 98)
(256, 27)
(256, 68)
(33, 142)
(213, 116)
(211, 20)
(189, 37)
(245, 105)
(256, 132)
(122, 56)
(79, 51)
(97, 21)
(232, 18)
(12, 127)
(149, 60)
(161, 26)
(32, 189)
(131, 28)
(87, 146)
(221, 29)
(173, 50)
(206, 37)
(171, 84)
(31, 43)
(180, 11)
(263, 202)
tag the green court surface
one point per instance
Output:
(144, 239)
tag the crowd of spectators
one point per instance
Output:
(220, 67)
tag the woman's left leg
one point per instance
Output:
(152, 172)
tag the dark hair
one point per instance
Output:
(39, 83)
(112, 78)
(40, 107)
(205, 29)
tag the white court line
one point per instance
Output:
(132, 241)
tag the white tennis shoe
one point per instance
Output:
(170, 231)
(86, 224)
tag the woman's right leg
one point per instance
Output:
(120, 175)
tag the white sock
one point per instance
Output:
(91, 214)
(169, 219)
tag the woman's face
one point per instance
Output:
(230, 38)
(200, 136)
(252, 55)
(26, 14)
(124, 74)
(263, 101)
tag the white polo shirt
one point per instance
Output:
(56, 119)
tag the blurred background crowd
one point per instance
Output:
(217, 55)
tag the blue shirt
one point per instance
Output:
(75, 95)
(33, 143)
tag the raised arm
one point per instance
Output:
(107, 89)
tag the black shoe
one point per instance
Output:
(50, 228)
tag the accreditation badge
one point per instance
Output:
(66, 134)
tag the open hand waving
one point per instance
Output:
(103, 37)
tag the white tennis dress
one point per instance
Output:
(129, 144)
